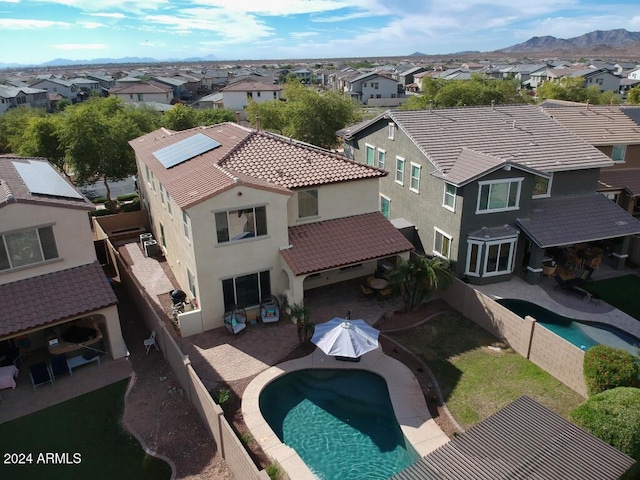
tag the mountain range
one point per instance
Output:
(618, 42)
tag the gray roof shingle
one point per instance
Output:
(558, 221)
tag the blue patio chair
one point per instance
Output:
(58, 365)
(40, 374)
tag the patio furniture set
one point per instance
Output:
(377, 288)
(235, 316)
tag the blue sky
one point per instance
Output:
(39, 31)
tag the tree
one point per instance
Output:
(41, 139)
(479, 90)
(634, 95)
(96, 134)
(607, 367)
(306, 115)
(212, 116)
(418, 278)
(572, 89)
(13, 124)
(180, 117)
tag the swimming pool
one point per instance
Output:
(581, 333)
(340, 422)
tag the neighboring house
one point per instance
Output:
(237, 95)
(245, 214)
(106, 82)
(213, 100)
(87, 85)
(304, 75)
(178, 86)
(634, 74)
(602, 78)
(374, 89)
(612, 130)
(407, 77)
(12, 97)
(49, 274)
(490, 188)
(143, 92)
(55, 85)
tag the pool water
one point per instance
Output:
(340, 422)
(580, 333)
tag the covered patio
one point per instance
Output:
(571, 236)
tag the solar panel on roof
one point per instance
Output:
(185, 150)
(41, 179)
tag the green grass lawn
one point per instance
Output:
(88, 426)
(620, 292)
(476, 381)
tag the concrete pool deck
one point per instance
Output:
(407, 398)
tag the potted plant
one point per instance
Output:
(300, 316)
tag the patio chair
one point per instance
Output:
(270, 309)
(367, 293)
(58, 366)
(150, 342)
(40, 374)
(235, 319)
(571, 286)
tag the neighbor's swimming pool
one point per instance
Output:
(582, 334)
(340, 422)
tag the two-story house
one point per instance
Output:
(490, 187)
(56, 85)
(146, 92)
(49, 274)
(237, 95)
(612, 130)
(374, 89)
(241, 214)
(13, 97)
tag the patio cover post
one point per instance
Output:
(620, 253)
(534, 269)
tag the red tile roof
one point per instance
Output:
(54, 297)
(245, 156)
(13, 189)
(343, 241)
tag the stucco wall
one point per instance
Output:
(71, 229)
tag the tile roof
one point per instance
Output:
(596, 124)
(54, 297)
(13, 189)
(620, 178)
(524, 440)
(345, 241)
(558, 221)
(246, 86)
(260, 159)
(471, 165)
(518, 133)
(141, 87)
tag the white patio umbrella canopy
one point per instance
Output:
(345, 338)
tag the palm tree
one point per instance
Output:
(420, 277)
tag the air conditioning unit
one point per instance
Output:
(151, 248)
(145, 237)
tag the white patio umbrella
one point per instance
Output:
(345, 338)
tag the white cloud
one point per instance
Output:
(81, 46)
(304, 34)
(26, 24)
(135, 6)
(108, 15)
(275, 7)
(91, 25)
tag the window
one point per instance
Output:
(378, 95)
(449, 200)
(247, 290)
(613, 196)
(307, 203)
(382, 156)
(235, 225)
(258, 94)
(375, 85)
(400, 170)
(618, 153)
(441, 243)
(161, 193)
(392, 131)
(27, 247)
(385, 206)
(169, 204)
(192, 282)
(140, 97)
(371, 155)
(414, 185)
(147, 174)
(162, 236)
(249, 96)
(186, 223)
(541, 186)
(499, 195)
(500, 255)
(275, 95)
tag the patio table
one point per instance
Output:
(378, 284)
(8, 376)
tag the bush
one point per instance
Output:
(608, 367)
(100, 213)
(128, 197)
(273, 471)
(99, 200)
(131, 207)
(614, 417)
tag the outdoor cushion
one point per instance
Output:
(271, 312)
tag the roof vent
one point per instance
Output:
(621, 222)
